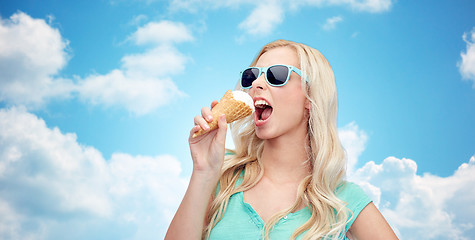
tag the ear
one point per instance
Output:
(307, 104)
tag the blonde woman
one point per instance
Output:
(286, 177)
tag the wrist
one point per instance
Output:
(210, 177)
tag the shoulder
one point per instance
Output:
(355, 199)
(350, 191)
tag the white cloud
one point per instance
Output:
(142, 84)
(137, 94)
(330, 23)
(417, 206)
(263, 19)
(52, 186)
(41, 160)
(31, 54)
(163, 32)
(160, 61)
(138, 20)
(354, 141)
(422, 207)
(467, 63)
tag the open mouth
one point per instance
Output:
(263, 110)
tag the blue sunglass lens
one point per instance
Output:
(277, 75)
(248, 76)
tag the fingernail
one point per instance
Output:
(209, 118)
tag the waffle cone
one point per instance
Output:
(230, 107)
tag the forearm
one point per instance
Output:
(207, 152)
(189, 218)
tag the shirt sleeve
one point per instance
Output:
(355, 198)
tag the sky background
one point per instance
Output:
(97, 99)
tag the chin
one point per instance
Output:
(264, 134)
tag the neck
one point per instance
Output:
(285, 159)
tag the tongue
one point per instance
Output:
(266, 113)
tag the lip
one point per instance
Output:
(257, 121)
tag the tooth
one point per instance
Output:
(261, 102)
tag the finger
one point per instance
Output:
(201, 122)
(193, 130)
(206, 113)
(222, 128)
(214, 104)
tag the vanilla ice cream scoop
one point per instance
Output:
(244, 97)
(234, 105)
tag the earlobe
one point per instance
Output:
(307, 104)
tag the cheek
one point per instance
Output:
(294, 107)
(296, 96)
(297, 101)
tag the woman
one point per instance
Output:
(285, 180)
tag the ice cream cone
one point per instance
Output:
(232, 108)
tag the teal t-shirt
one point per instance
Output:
(240, 221)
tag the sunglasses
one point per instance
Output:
(275, 75)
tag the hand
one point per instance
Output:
(207, 150)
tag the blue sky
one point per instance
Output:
(97, 99)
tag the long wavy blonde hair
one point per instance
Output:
(324, 152)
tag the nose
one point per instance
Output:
(260, 82)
